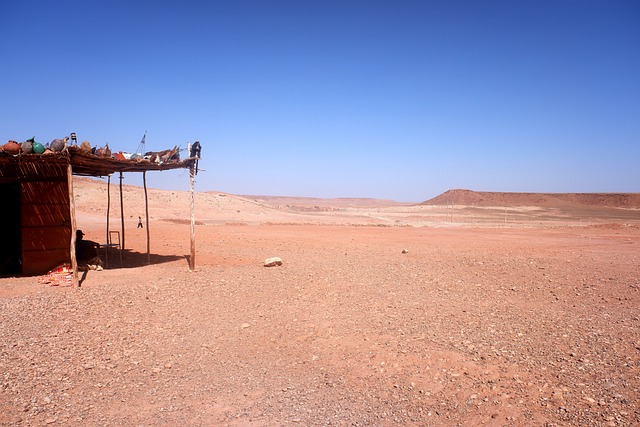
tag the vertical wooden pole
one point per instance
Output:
(121, 214)
(146, 210)
(106, 251)
(192, 258)
(72, 216)
(108, 206)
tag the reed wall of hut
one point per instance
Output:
(35, 216)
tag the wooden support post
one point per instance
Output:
(121, 214)
(108, 205)
(146, 209)
(107, 242)
(192, 258)
(72, 216)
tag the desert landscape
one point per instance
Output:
(493, 309)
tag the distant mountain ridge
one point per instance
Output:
(342, 202)
(488, 198)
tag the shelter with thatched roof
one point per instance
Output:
(38, 213)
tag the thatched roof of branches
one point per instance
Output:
(86, 163)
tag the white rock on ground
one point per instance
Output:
(272, 262)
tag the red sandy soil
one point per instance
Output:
(381, 314)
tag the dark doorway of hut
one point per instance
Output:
(11, 242)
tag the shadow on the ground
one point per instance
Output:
(131, 259)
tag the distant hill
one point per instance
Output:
(486, 198)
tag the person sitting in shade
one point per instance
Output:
(86, 250)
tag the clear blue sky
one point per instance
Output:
(387, 99)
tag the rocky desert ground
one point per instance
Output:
(468, 310)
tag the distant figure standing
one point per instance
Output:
(140, 222)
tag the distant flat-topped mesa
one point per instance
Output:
(490, 198)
